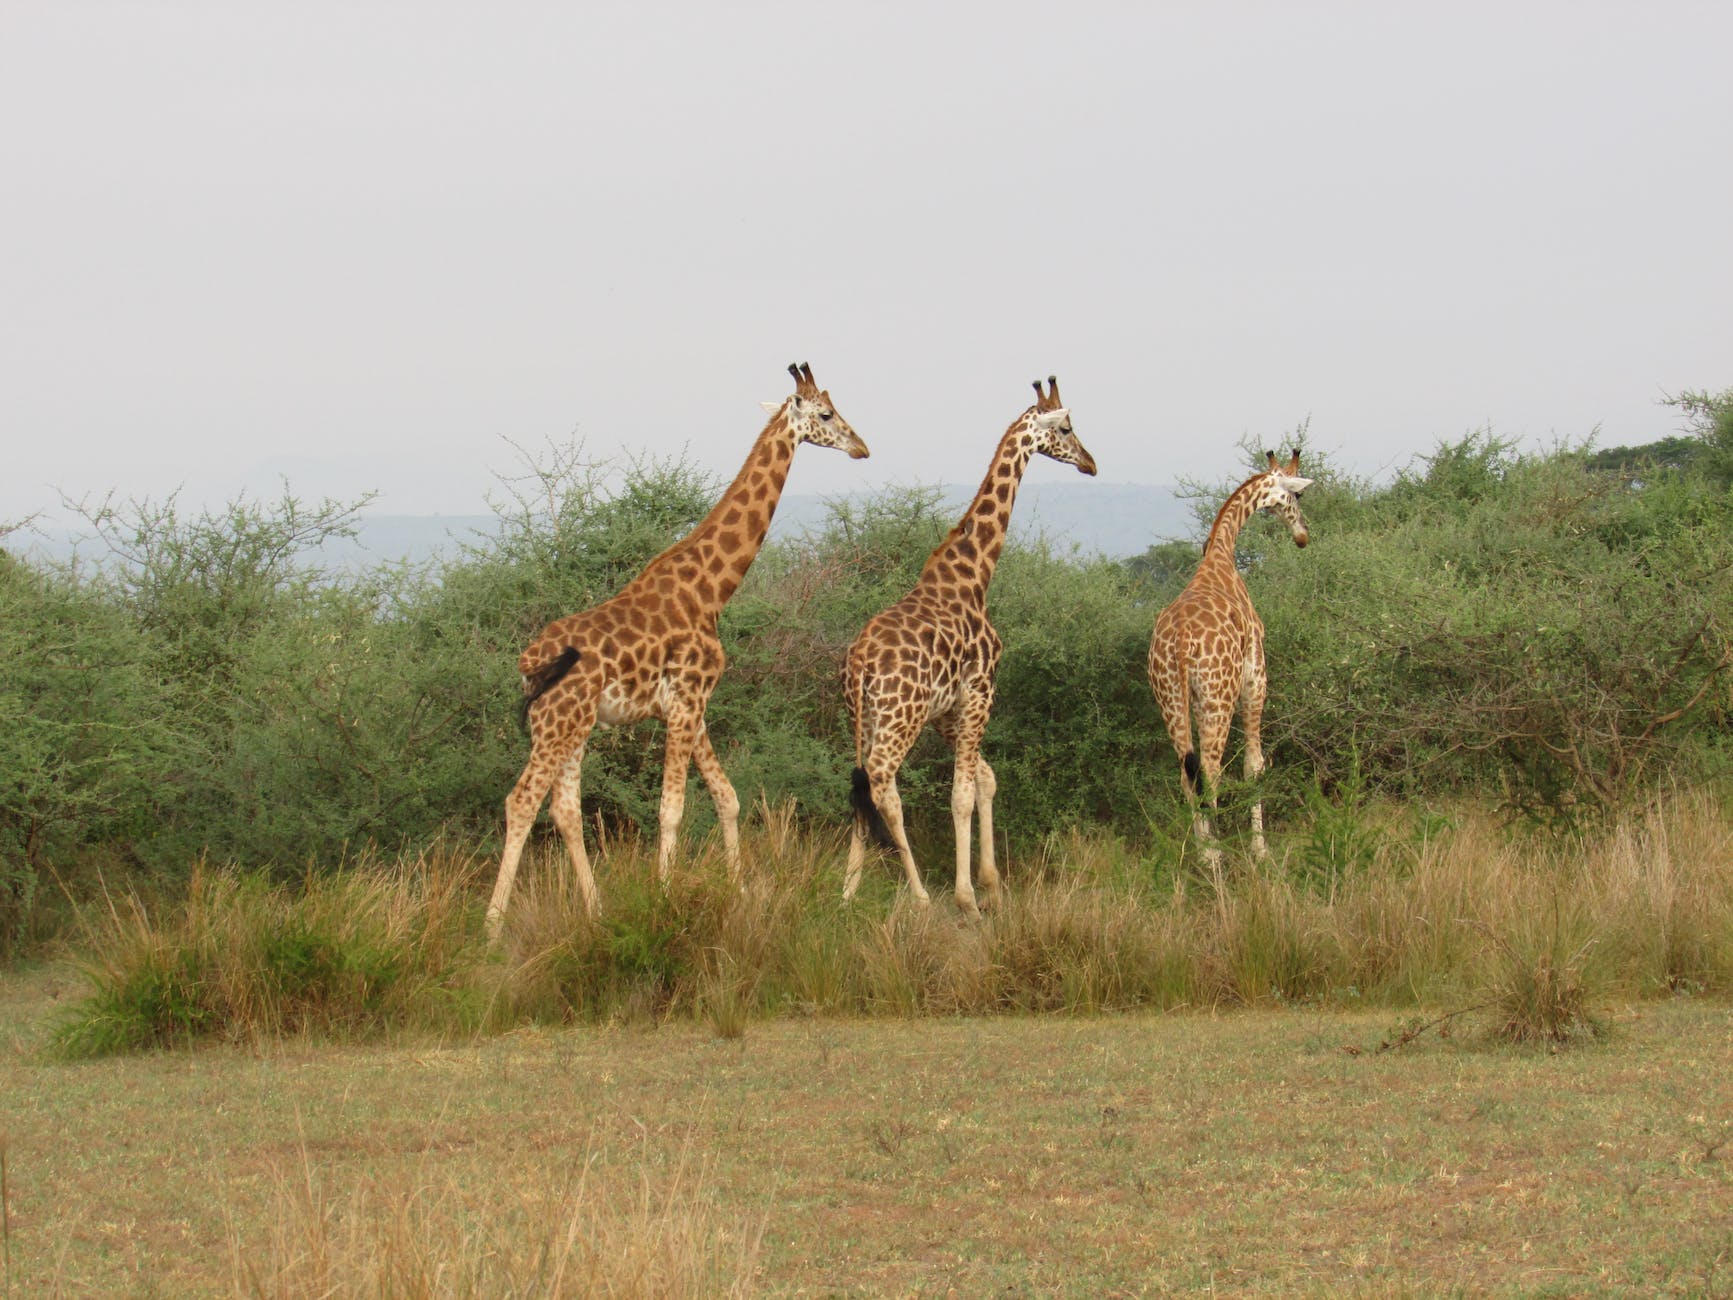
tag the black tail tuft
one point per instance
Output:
(1189, 769)
(866, 812)
(545, 681)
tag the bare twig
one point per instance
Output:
(1413, 1032)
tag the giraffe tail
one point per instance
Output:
(1190, 769)
(543, 680)
(866, 813)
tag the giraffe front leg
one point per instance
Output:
(682, 737)
(986, 785)
(962, 817)
(722, 795)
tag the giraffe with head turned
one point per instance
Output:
(1207, 653)
(931, 658)
(653, 651)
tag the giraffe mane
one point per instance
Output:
(1229, 500)
(958, 529)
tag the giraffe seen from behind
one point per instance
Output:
(653, 651)
(931, 658)
(1207, 653)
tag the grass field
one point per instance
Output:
(1255, 1152)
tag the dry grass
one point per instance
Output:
(1264, 1152)
(589, 1232)
(1545, 927)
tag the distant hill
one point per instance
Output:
(1112, 519)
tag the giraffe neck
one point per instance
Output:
(970, 551)
(1218, 551)
(725, 542)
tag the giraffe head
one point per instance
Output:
(1278, 492)
(1049, 426)
(812, 416)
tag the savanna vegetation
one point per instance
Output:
(199, 714)
(256, 801)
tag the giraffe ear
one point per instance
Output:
(1295, 484)
(771, 407)
(1053, 419)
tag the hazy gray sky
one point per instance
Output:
(364, 244)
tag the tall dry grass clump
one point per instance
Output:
(594, 1232)
(374, 946)
(1663, 884)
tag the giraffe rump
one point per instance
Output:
(866, 813)
(544, 680)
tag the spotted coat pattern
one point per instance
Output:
(653, 651)
(931, 658)
(1207, 652)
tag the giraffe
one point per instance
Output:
(653, 651)
(931, 658)
(1207, 652)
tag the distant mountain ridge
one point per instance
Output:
(1112, 519)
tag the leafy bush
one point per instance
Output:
(1514, 623)
(88, 732)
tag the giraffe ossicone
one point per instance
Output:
(652, 651)
(1206, 655)
(931, 658)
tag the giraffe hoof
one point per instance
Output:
(967, 906)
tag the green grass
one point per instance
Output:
(1266, 1151)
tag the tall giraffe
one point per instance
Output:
(653, 652)
(931, 658)
(1207, 653)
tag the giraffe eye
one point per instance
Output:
(825, 415)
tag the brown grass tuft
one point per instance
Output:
(662, 1237)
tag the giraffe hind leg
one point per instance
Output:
(1212, 735)
(890, 806)
(567, 808)
(551, 753)
(1252, 716)
(521, 807)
